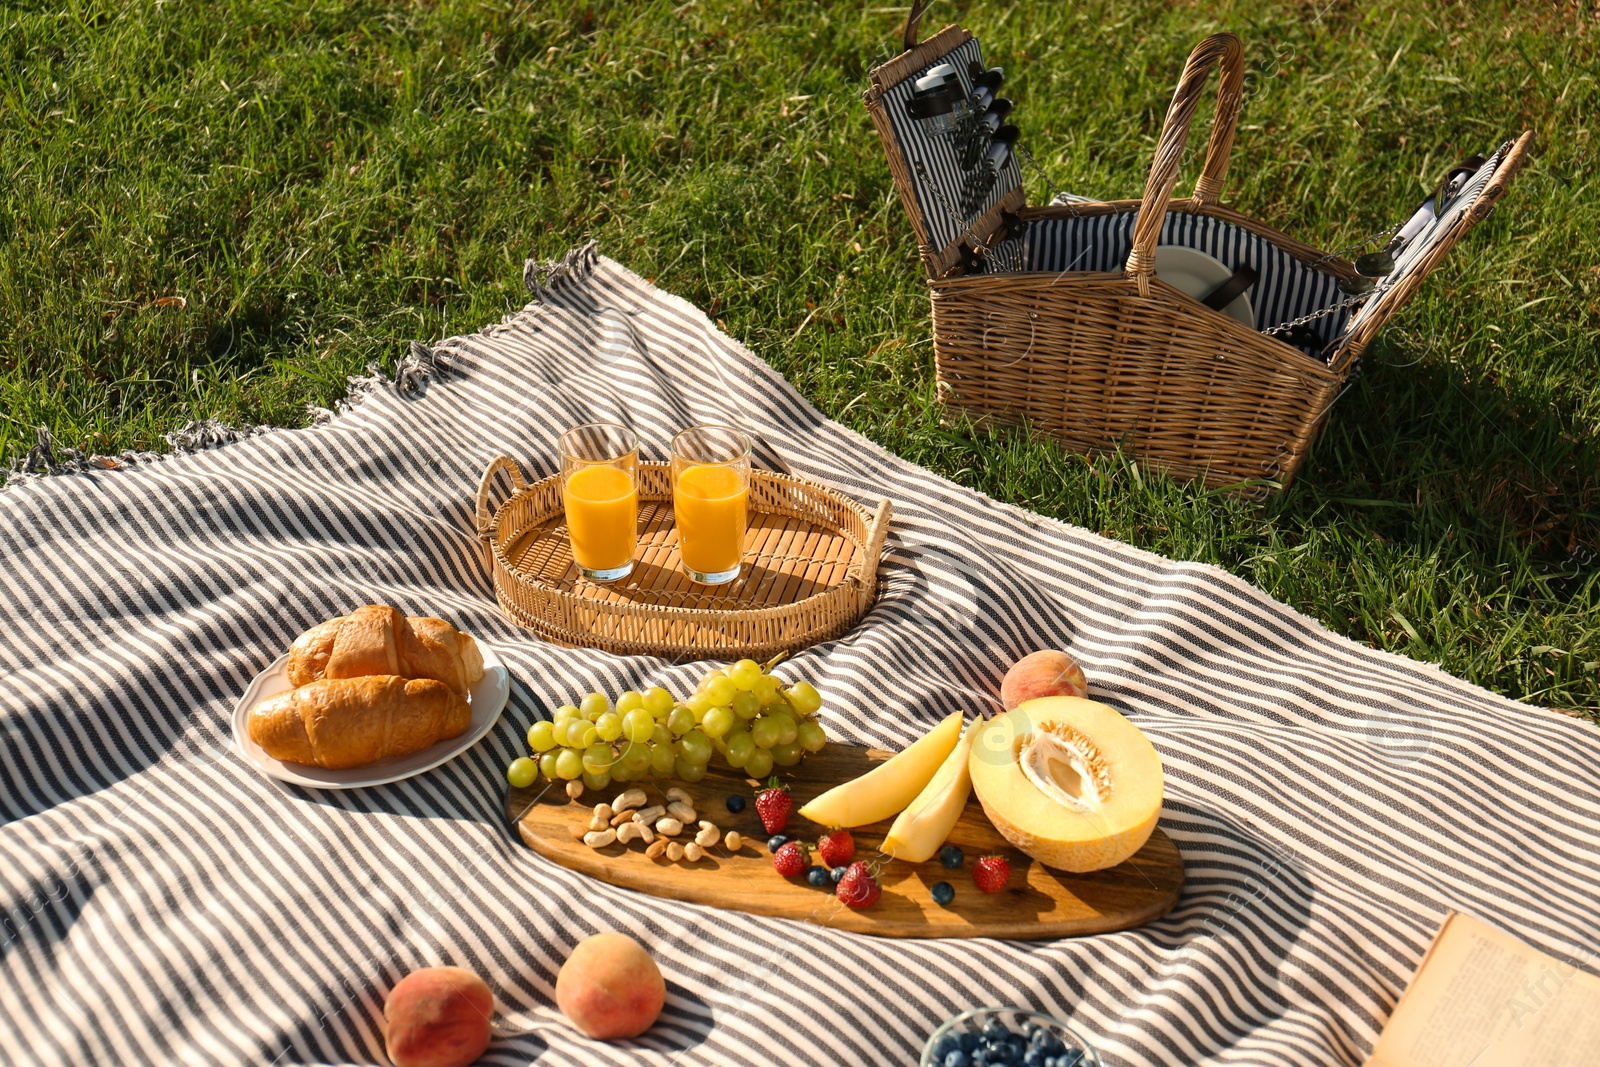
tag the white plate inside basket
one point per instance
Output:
(1193, 273)
(488, 699)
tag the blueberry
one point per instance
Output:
(969, 1041)
(735, 803)
(1040, 1038)
(944, 1046)
(818, 876)
(995, 1030)
(838, 873)
(1033, 1058)
(1028, 1028)
(1070, 1058)
(952, 856)
(956, 1058)
(943, 892)
(776, 841)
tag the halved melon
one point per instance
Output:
(1068, 781)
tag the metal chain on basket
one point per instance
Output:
(1354, 301)
(1349, 302)
(1028, 161)
(1364, 242)
(965, 228)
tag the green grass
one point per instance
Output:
(322, 181)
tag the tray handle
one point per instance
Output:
(1228, 51)
(877, 533)
(496, 465)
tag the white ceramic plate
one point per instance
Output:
(488, 699)
(1193, 273)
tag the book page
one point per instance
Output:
(1482, 998)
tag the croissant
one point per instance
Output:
(346, 722)
(377, 639)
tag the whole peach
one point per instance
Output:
(1047, 673)
(610, 987)
(438, 1017)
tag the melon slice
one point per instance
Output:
(889, 786)
(919, 830)
(1068, 781)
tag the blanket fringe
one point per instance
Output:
(551, 276)
(423, 365)
(49, 457)
(209, 433)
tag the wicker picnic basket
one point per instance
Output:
(1053, 316)
(810, 570)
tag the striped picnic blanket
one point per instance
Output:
(163, 903)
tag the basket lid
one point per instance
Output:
(1463, 206)
(950, 205)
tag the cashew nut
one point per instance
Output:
(708, 835)
(667, 826)
(684, 813)
(650, 814)
(732, 841)
(574, 789)
(635, 831)
(599, 838)
(693, 852)
(597, 823)
(674, 851)
(633, 798)
(679, 793)
(604, 811)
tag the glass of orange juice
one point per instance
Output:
(710, 500)
(600, 492)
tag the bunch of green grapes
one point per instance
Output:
(748, 716)
(754, 721)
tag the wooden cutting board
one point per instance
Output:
(1040, 902)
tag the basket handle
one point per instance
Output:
(496, 464)
(877, 532)
(912, 18)
(1228, 50)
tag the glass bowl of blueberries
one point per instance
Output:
(1013, 1037)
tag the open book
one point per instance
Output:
(1481, 998)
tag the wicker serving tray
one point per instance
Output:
(810, 571)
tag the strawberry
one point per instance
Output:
(774, 805)
(991, 873)
(836, 848)
(858, 888)
(790, 859)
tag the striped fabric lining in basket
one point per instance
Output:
(1286, 289)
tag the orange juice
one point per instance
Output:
(602, 505)
(710, 506)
